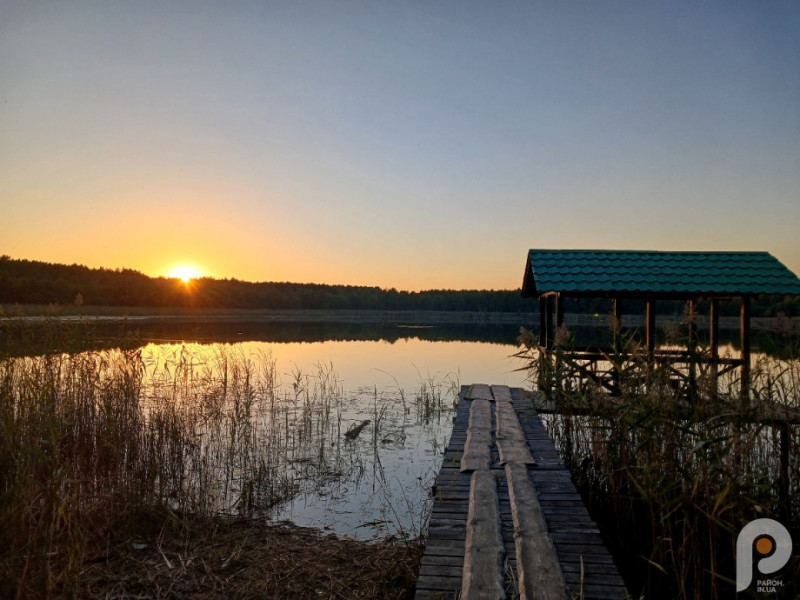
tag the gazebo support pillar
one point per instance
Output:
(559, 310)
(549, 330)
(745, 341)
(713, 340)
(543, 321)
(692, 349)
(616, 310)
(650, 331)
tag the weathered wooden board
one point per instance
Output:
(538, 570)
(480, 391)
(483, 546)
(477, 449)
(587, 567)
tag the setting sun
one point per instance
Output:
(185, 272)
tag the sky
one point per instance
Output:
(404, 144)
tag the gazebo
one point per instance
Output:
(653, 276)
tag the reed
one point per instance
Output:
(683, 466)
(90, 440)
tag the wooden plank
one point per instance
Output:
(453, 561)
(480, 391)
(501, 393)
(483, 551)
(439, 583)
(435, 595)
(511, 441)
(538, 571)
(592, 577)
(596, 592)
(745, 345)
(572, 562)
(477, 452)
(445, 547)
(440, 570)
(587, 568)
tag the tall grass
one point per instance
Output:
(89, 441)
(96, 447)
(672, 469)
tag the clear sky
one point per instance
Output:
(395, 143)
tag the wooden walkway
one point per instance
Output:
(495, 532)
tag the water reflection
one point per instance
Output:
(223, 330)
(306, 397)
(313, 382)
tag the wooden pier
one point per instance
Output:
(507, 521)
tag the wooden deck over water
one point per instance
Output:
(467, 555)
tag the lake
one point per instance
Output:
(381, 483)
(336, 425)
(328, 379)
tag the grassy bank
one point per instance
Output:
(208, 558)
(672, 469)
(131, 474)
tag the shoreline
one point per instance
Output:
(41, 314)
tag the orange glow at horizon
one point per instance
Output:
(185, 272)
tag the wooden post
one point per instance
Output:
(692, 325)
(650, 331)
(559, 310)
(542, 321)
(547, 320)
(616, 311)
(692, 349)
(713, 340)
(745, 339)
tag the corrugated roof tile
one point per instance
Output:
(633, 271)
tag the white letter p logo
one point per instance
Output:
(774, 543)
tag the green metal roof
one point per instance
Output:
(667, 274)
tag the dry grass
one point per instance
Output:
(683, 466)
(171, 557)
(124, 475)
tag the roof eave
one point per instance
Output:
(643, 295)
(529, 281)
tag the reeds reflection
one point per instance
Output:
(222, 428)
(275, 440)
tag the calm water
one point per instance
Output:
(379, 482)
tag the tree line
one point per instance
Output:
(35, 282)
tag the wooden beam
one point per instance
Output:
(616, 309)
(692, 324)
(509, 435)
(477, 451)
(650, 331)
(692, 348)
(542, 321)
(745, 340)
(538, 569)
(713, 336)
(483, 548)
(559, 310)
(549, 323)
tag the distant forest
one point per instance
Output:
(33, 282)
